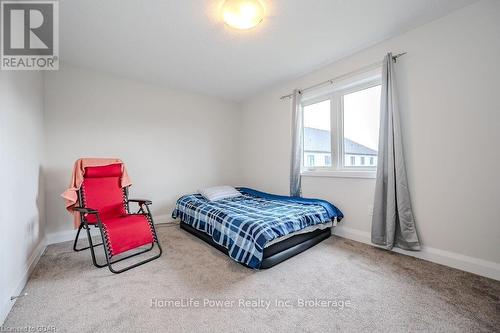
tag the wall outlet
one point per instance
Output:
(370, 210)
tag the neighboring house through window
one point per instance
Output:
(310, 160)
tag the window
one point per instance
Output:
(317, 134)
(341, 125)
(361, 110)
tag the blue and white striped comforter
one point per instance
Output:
(245, 224)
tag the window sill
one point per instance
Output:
(365, 174)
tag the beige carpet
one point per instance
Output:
(380, 291)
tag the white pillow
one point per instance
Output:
(219, 192)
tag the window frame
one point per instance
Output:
(335, 94)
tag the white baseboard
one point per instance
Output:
(459, 261)
(477, 266)
(61, 236)
(161, 219)
(69, 235)
(32, 261)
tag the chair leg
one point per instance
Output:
(76, 238)
(92, 252)
(76, 241)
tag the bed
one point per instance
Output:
(258, 229)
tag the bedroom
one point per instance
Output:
(189, 102)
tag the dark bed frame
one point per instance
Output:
(277, 252)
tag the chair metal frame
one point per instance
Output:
(143, 204)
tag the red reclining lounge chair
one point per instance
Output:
(105, 205)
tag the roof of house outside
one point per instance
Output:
(318, 140)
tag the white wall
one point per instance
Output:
(450, 108)
(172, 142)
(21, 194)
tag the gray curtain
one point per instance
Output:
(393, 223)
(297, 139)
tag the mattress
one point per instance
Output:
(302, 231)
(245, 225)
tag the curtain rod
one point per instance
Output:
(339, 77)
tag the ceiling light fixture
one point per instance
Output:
(242, 14)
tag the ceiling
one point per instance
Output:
(183, 44)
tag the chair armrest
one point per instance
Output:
(141, 201)
(85, 210)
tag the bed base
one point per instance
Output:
(277, 252)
